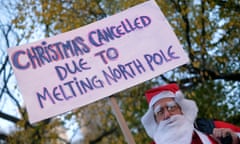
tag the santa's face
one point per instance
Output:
(173, 125)
(165, 108)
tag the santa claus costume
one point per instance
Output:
(181, 130)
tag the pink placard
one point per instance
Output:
(76, 68)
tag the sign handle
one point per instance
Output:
(125, 130)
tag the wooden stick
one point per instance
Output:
(121, 121)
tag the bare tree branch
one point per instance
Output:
(9, 117)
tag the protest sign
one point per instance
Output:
(76, 68)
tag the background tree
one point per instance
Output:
(208, 31)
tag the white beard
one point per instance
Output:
(175, 130)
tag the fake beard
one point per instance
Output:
(175, 130)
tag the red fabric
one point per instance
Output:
(221, 124)
(196, 139)
(212, 140)
(153, 92)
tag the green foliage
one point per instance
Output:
(208, 31)
(45, 132)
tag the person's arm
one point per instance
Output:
(223, 133)
(224, 129)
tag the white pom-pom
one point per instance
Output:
(179, 96)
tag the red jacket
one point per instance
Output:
(221, 124)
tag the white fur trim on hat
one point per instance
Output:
(164, 94)
(188, 107)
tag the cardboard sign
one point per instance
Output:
(76, 68)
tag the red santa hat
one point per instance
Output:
(188, 107)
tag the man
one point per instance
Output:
(170, 120)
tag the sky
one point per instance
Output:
(5, 104)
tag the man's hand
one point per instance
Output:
(221, 133)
